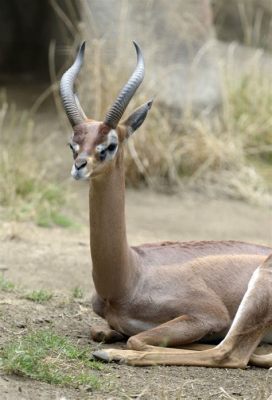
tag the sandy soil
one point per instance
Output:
(59, 260)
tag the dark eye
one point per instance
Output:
(102, 154)
(73, 150)
(112, 146)
(72, 147)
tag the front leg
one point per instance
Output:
(253, 318)
(145, 348)
(102, 333)
(106, 335)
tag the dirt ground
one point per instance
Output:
(58, 260)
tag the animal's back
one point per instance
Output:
(167, 253)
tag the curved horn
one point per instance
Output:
(116, 111)
(70, 102)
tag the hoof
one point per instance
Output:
(98, 336)
(101, 356)
(108, 356)
(106, 335)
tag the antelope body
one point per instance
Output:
(165, 294)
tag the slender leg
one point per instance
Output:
(106, 335)
(177, 332)
(259, 360)
(253, 317)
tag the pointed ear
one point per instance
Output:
(135, 120)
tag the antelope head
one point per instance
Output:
(96, 144)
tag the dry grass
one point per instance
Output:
(26, 190)
(248, 21)
(225, 152)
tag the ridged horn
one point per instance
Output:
(116, 111)
(69, 100)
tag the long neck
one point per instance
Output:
(113, 261)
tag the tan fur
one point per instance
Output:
(168, 293)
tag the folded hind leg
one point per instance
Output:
(145, 348)
(252, 320)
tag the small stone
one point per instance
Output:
(21, 325)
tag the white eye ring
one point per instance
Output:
(100, 148)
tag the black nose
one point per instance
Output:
(81, 163)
